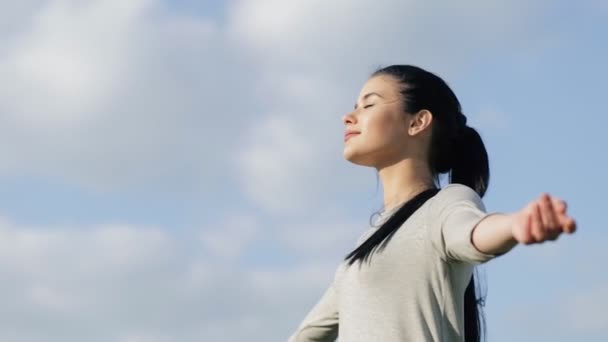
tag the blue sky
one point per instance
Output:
(172, 171)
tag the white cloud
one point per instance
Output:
(273, 161)
(229, 240)
(112, 95)
(119, 282)
(68, 61)
(347, 35)
(55, 278)
(115, 96)
(289, 151)
(316, 55)
(142, 337)
(320, 240)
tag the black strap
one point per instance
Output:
(383, 234)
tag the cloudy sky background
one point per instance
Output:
(172, 170)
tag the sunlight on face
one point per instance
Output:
(378, 123)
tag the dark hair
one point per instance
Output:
(455, 148)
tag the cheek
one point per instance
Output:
(385, 131)
(380, 141)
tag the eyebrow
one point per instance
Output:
(368, 95)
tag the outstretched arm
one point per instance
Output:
(543, 219)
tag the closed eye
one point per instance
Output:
(367, 106)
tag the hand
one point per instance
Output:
(541, 220)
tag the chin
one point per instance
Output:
(357, 158)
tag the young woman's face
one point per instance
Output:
(378, 123)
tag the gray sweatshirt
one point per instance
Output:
(413, 290)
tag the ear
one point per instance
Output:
(420, 122)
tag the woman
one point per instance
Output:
(410, 277)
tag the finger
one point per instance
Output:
(559, 205)
(548, 214)
(566, 223)
(536, 223)
(569, 226)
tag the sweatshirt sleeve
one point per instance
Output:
(454, 213)
(321, 323)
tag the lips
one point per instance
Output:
(349, 135)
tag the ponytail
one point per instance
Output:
(470, 161)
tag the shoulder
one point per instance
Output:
(457, 191)
(454, 194)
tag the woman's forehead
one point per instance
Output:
(383, 85)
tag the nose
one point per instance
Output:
(348, 118)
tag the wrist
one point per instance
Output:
(494, 234)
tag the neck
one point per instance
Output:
(403, 180)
